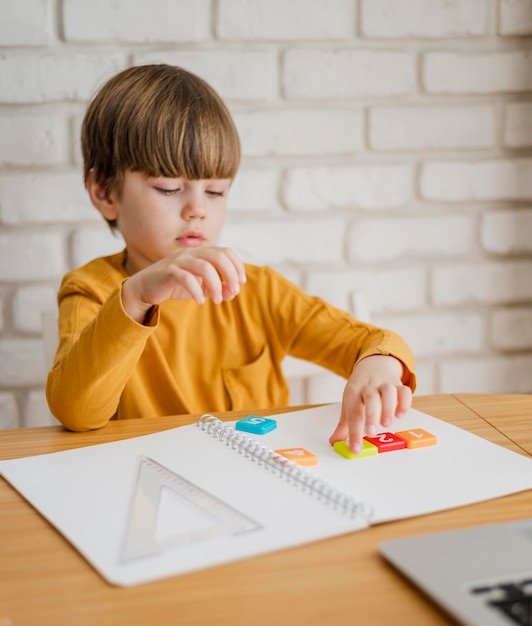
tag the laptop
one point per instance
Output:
(482, 576)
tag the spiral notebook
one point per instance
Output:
(197, 496)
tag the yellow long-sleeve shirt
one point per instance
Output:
(195, 358)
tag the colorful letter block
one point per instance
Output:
(299, 456)
(386, 442)
(256, 425)
(417, 438)
(368, 449)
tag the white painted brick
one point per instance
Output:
(296, 241)
(33, 140)
(364, 187)
(423, 18)
(26, 23)
(511, 329)
(432, 128)
(27, 198)
(487, 375)
(391, 238)
(250, 75)
(515, 17)
(426, 378)
(277, 19)
(320, 74)
(22, 362)
(2, 304)
(29, 255)
(486, 283)
(29, 304)
(518, 124)
(36, 412)
(439, 334)
(391, 289)
(509, 179)
(136, 21)
(9, 411)
(300, 132)
(255, 190)
(506, 232)
(94, 241)
(482, 73)
(325, 388)
(49, 77)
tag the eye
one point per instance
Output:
(167, 192)
(213, 193)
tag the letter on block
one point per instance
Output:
(417, 438)
(368, 449)
(299, 456)
(386, 442)
(255, 424)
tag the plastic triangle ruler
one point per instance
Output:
(192, 514)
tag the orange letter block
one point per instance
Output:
(299, 455)
(417, 438)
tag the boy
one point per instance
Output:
(175, 324)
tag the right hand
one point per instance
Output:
(197, 273)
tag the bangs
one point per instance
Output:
(197, 142)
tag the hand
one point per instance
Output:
(196, 273)
(373, 395)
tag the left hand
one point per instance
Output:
(373, 396)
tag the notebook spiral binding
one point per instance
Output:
(285, 468)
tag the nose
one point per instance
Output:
(194, 206)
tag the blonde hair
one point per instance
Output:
(160, 120)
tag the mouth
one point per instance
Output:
(191, 239)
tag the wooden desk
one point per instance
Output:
(44, 581)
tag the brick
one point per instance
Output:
(27, 198)
(50, 77)
(495, 72)
(432, 128)
(94, 241)
(33, 140)
(27, 256)
(439, 334)
(515, 17)
(426, 19)
(367, 187)
(285, 241)
(26, 23)
(324, 74)
(511, 329)
(518, 125)
(21, 362)
(29, 304)
(387, 290)
(497, 374)
(417, 237)
(280, 20)
(247, 75)
(300, 132)
(478, 180)
(255, 190)
(482, 283)
(9, 411)
(136, 21)
(36, 412)
(506, 232)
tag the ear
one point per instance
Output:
(100, 199)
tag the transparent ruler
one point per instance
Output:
(168, 511)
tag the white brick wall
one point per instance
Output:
(387, 167)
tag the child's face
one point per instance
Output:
(159, 216)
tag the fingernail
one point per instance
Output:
(371, 430)
(356, 448)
